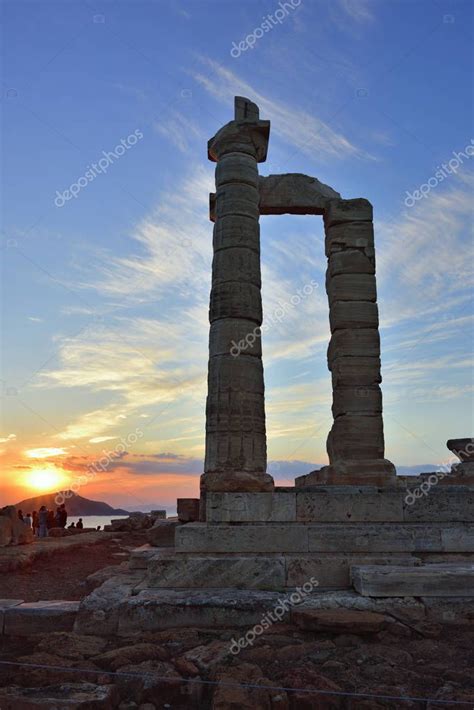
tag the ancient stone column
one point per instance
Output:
(355, 443)
(235, 411)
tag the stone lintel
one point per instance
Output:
(290, 193)
(294, 193)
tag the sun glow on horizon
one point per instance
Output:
(44, 452)
(45, 478)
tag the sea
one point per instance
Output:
(92, 521)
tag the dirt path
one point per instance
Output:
(62, 574)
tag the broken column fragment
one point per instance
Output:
(355, 443)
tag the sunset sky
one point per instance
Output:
(105, 295)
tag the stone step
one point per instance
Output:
(260, 571)
(39, 617)
(327, 537)
(435, 580)
(68, 696)
(156, 609)
(4, 605)
(162, 533)
(420, 502)
(141, 556)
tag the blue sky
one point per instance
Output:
(105, 298)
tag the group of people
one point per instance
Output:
(43, 520)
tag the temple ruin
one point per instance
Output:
(357, 530)
(235, 412)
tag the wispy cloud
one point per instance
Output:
(313, 137)
(101, 439)
(179, 130)
(44, 452)
(424, 262)
(138, 363)
(174, 249)
(357, 10)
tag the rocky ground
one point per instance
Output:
(193, 668)
(313, 662)
(62, 573)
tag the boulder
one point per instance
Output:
(304, 678)
(185, 668)
(161, 514)
(162, 533)
(73, 646)
(340, 621)
(234, 691)
(152, 682)
(126, 655)
(67, 696)
(207, 657)
(21, 533)
(40, 617)
(60, 532)
(135, 521)
(188, 510)
(5, 531)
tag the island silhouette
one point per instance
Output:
(75, 504)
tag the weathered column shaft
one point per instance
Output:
(235, 414)
(235, 411)
(354, 351)
(356, 441)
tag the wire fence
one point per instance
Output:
(251, 686)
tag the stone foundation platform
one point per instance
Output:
(325, 538)
(130, 611)
(257, 546)
(278, 540)
(344, 504)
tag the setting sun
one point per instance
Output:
(45, 479)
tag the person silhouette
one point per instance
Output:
(43, 521)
